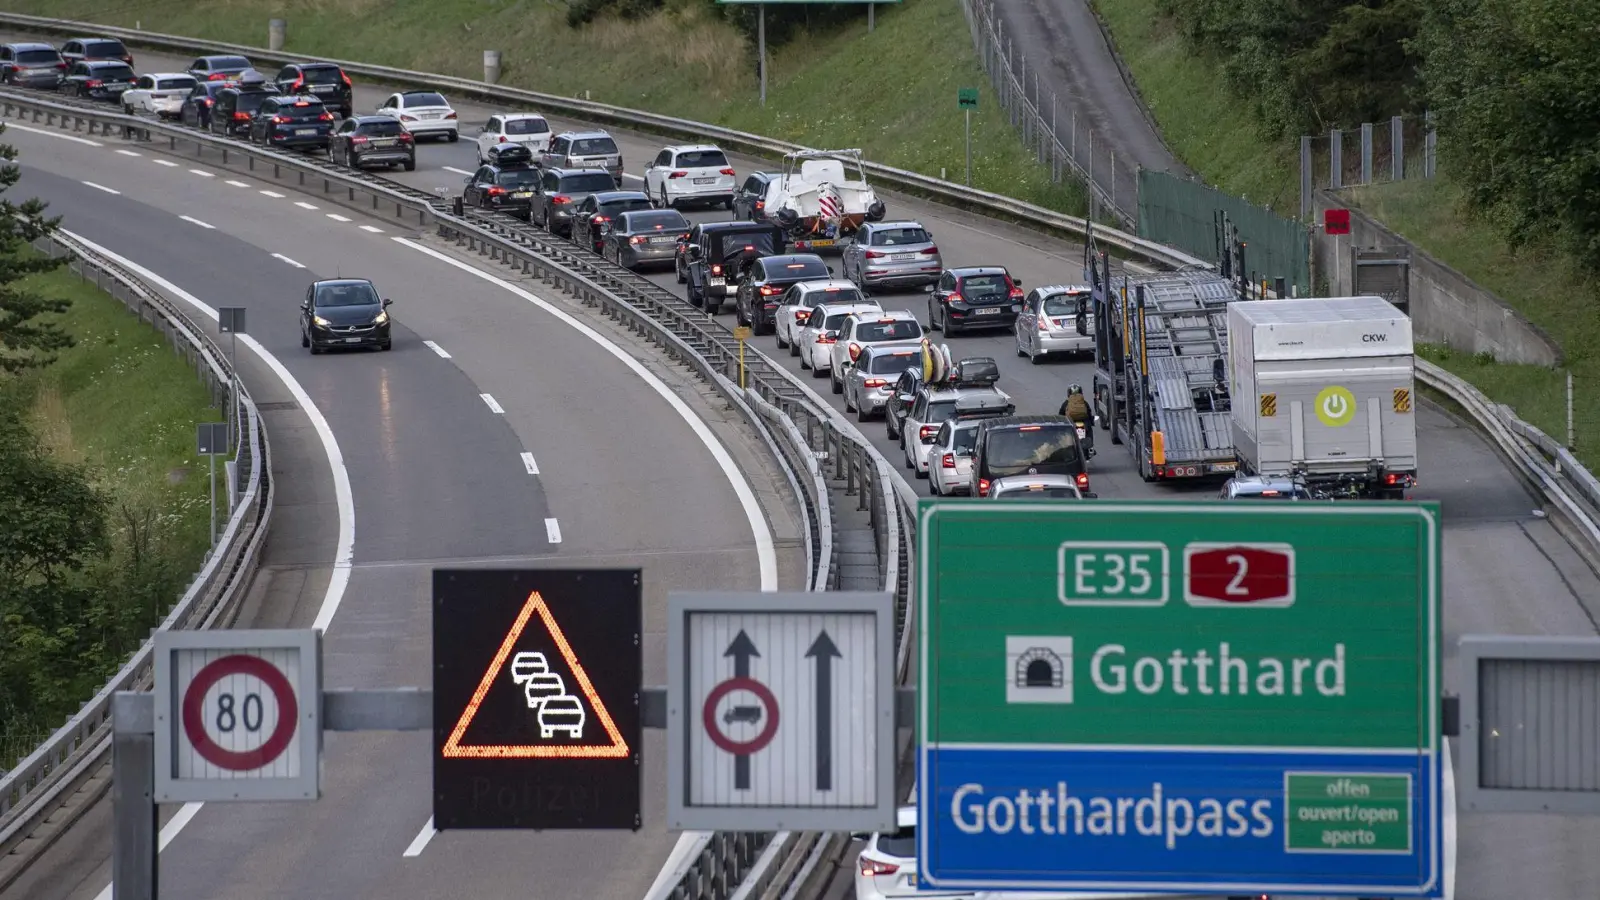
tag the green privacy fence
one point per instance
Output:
(1183, 214)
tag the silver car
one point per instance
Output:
(939, 403)
(892, 254)
(815, 339)
(950, 458)
(584, 150)
(872, 378)
(642, 237)
(1055, 319)
(1037, 487)
(1263, 487)
(864, 329)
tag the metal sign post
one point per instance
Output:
(231, 322)
(741, 333)
(967, 101)
(211, 441)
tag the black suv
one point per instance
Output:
(507, 185)
(80, 49)
(592, 219)
(233, 108)
(326, 81)
(1028, 445)
(364, 141)
(561, 191)
(196, 110)
(750, 200)
(285, 121)
(756, 304)
(98, 79)
(715, 255)
(973, 297)
(31, 65)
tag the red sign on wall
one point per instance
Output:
(1336, 221)
(1238, 575)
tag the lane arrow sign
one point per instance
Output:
(742, 650)
(824, 652)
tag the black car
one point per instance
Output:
(644, 236)
(506, 186)
(233, 108)
(901, 396)
(594, 215)
(196, 111)
(326, 81)
(299, 121)
(80, 49)
(756, 304)
(363, 141)
(750, 200)
(715, 256)
(31, 65)
(1028, 445)
(974, 297)
(98, 79)
(219, 68)
(561, 191)
(344, 312)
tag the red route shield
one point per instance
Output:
(1239, 575)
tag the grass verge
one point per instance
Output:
(891, 93)
(120, 403)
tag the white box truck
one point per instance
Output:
(1324, 390)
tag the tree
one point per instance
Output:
(25, 342)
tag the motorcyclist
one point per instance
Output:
(1076, 408)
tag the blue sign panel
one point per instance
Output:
(1055, 818)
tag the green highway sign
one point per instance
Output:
(967, 98)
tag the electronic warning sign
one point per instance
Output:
(536, 679)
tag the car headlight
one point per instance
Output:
(382, 319)
(320, 321)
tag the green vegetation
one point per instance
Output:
(892, 92)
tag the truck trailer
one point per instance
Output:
(1324, 390)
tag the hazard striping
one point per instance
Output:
(1269, 405)
(1402, 400)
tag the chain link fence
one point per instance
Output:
(1371, 153)
(1191, 216)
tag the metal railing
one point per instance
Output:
(66, 762)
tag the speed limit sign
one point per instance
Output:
(237, 715)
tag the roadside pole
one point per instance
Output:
(967, 101)
(741, 334)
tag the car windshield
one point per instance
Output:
(320, 75)
(797, 270)
(835, 295)
(894, 363)
(227, 62)
(664, 220)
(526, 126)
(380, 129)
(347, 294)
(1011, 451)
(175, 84)
(518, 176)
(894, 330)
(250, 101)
(965, 440)
(758, 242)
(939, 410)
(984, 286)
(615, 207)
(299, 109)
(599, 146)
(38, 56)
(424, 98)
(702, 159)
(833, 322)
(902, 843)
(104, 48)
(899, 237)
(1063, 304)
(587, 184)
(1023, 492)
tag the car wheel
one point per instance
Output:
(411, 164)
(794, 349)
(304, 341)
(861, 413)
(906, 456)
(838, 386)
(848, 406)
(819, 372)
(778, 334)
(454, 136)
(728, 204)
(386, 346)
(933, 487)
(1036, 359)
(933, 321)
(315, 350)
(677, 269)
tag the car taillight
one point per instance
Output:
(855, 352)
(876, 254)
(800, 315)
(359, 139)
(873, 867)
(280, 120)
(406, 118)
(497, 191)
(94, 82)
(1016, 293)
(325, 117)
(346, 80)
(449, 115)
(874, 383)
(824, 339)
(931, 251)
(768, 290)
(241, 117)
(560, 199)
(1083, 480)
(216, 76)
(983, 487)
(927, 432)
(405, 137)
(948, 461)
(598, 219)
(636, 239)
(716, 268)
(679, 175)
(502, 139)
(128, 60)
(62, 66)
(760, 204)
(955, 298)
(1044, 323)
(208, 102)
(298, 84)
(728, 172)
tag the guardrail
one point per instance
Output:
(68, 761)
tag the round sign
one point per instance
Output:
(708, 716)
(236, 713)
(1336, 406)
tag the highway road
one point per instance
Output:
(1506, 568)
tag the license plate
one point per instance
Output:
(1225, 467)
(820, 243)
(116, 87)
(705, 181)
(352, 340)
(902, 257)
(322, 88)
(662, 239)
(386, 142)
(305, 131)
(521, 194)
(715, 281)
(991, 311)
(911, 881)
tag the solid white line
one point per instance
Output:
(193, 221)
(436, 348)
(766, 554)
(273, 194)
(55, 134)
(304, 205)
(288, 260)
(552, 531)
(338, 218)
(165, 162)
(203, 173)
(529, 463)
(420, 842)
(343, 497)
(455, 170)
(129, 153)
(237, 183)
(372, 228)
(494, 406)
(101, 187)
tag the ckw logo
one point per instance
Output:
(1038, 669)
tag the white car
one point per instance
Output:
(528, 129)
(937, 404)
(794, 307)
(692, 173)
(861, 329)
(160, 95)
(423, 114)
(950, 458)
(814, 340)
(887, 866)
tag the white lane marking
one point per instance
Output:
(288, 260)
(193, 221)
(436, 348)
(203, 173)
(338, 218)
(165, 162)
(237, 183)
(55, 134)
(420, 842)
(273, 194)
(627, 177)
(343, 497)
(129, 153)
(552, 531)
(494, 405)
(304, 205)
(766, 554)
(529, 463)
(455, 170)
(101, 187)
(372, 228)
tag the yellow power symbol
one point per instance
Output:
(1336, 406)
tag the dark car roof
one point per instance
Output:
(618, 196)
(1020, 421)
(85, 40)
(747, 227)
(30, 45)
(786, 258)
(576, 171)
(102, 63)
(238, 88)
(373, 120)
(628, 218)
(317, 65)
(215, 87)
(222, 56)
(964, 271)
(330, 282)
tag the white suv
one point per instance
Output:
(528, 129)
(861, 329)
(693, 173)
(887, 866)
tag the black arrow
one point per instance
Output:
(823, 650)
(742, 649)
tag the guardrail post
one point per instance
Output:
(275, 33)
(133, 788)
(491, 66)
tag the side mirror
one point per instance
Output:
(305, 305)
(831, 335)
(927, 289)
(1091, 496)
(1017, 282)
(387, 303)
(830, 270)
(694, 251)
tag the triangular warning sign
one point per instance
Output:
(616, 749)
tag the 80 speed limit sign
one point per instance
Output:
(237, 715)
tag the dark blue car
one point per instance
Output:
(292, 121)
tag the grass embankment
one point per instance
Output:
(1213, 132)
(121, 404)
(892, 92)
